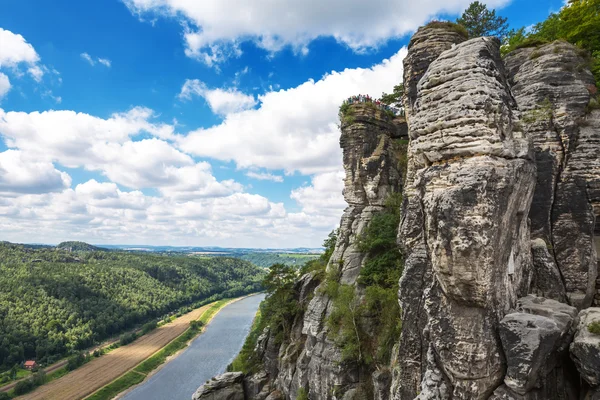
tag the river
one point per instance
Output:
(208, 355)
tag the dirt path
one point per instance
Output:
(101, 371)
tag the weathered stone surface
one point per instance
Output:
(228, 386)
(552, 88)
(470, 196)
(382, 379)
(425, 46)
(256, 386)
(585, 349)
(529, 342)
(546, 280)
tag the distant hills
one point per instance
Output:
(78, 246)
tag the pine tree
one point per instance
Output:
(479, 21)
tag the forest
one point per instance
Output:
(55, 302)
(267, 259)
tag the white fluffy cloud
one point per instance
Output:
(93, 61)
(4, 85)
(220, 101)
(14, 50)
(215, 28)
(294, 129)
(20, 174)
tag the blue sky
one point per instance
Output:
(192, 123)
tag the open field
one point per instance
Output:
(101, 371)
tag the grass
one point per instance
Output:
(136, 376)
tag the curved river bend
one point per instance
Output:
(208, 355)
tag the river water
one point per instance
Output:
(208, 355)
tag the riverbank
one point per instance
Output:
(103, 371)
(206, 356)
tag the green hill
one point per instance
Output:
(78, 246)
(52, 303)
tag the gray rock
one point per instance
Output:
(228, 386)
(552, 91)
(529, 342)
(425, 46)
(473, 179)
(585, 349)
(546, 279)
(382, 379)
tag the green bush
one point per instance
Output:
(594, 327)
(461, 30)
(24, 386)
(75, 361)
(127, 338)
(302, 395)
(4, 396)
(149, 327)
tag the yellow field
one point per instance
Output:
(101, 371)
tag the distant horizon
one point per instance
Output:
(171, 246)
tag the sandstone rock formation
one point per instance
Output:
(553, 88)
(228, 386)
(500, 207)
(469, 199)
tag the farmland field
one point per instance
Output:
(101, 371)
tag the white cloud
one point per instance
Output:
(220, 101)
(105, 61)
(264, 176)
(93, 61)
(294, 129)
(214, 29)
(14, 50)
(4, 85)
(19, 174)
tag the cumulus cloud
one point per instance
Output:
(264, 176)
(294, 129)
(15, 50)
(220, 101)
(4, 85)
(215, 28)
(19, 174)
(96, 60)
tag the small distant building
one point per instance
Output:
(30, 365)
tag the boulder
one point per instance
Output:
(585, 349)
(228, 386)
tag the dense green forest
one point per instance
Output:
(78, 246)
(53, 302)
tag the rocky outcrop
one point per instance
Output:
(464, 226)
(553, 88)
(500, 207)
(425, 46)
(228, 386)
(585, 349)
(535, 340)
(309, 359)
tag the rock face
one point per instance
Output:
(228, 386)
(501, 202)
(585, 349)
(464, 227)
(553, 90)
(309, 359)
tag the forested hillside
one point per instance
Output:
(54, 301)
